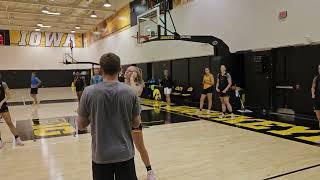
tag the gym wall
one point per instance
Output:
(144, 68)
(39, 58)
(159, 67)
(196, 70)
(243, 25)
(50, 78)
(180, 72)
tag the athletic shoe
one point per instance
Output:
(222, 116)
(19, 142)
(209, 111)
(1, 144)
(232, 116)
(150, 175)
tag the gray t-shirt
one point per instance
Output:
(110, 107)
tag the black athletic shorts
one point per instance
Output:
(119, 171)
(138, 128)
(4, 108)
(316, 104)
(207, 91)
(34, 91)
(79, 89)
(221, 94)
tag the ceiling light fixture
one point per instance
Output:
(46, 26)
(40, 24)
(73, 31)
(37, 29)
(77, 27)
(107, 3)
(45, 10)
(93, 14)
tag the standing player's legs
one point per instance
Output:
(202, 98)
(137, 136)
(34, 97)
(209, 95)
(223, 107)
(33, 94)
(7, 118)
(316, 108)
(318, 116)
(1, 143)
(79, 94)
(167, 92)
(168, 99)
(228, 105)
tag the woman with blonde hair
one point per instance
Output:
(134, 78)
(207, 89)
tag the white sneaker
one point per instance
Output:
(222, 116)
(150, 175)
(209, 111)
(19, 142)
(1, 144)
(232, 116)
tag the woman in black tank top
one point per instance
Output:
(80, 84)
(315, 92)
(5, 114)
(223, 85)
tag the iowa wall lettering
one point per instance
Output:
(45, 39)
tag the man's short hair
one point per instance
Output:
(110, 64)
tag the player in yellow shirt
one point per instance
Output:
(207, 89)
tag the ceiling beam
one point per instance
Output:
(60, 6)
(26, 28)
(52, 16)
(45, 21)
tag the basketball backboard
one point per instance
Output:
(149, 25)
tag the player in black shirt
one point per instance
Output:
(224, 83)
(4, 112)
(315, 92)
(79, 83)
(167, 84)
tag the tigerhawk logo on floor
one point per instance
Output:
(274, 128)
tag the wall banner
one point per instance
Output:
(45, 39)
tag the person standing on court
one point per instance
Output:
(224, 83)
(207, 89)
(96, 78)
(80, 84)
(35, 84)
(5, 114)
(315, 92)
(167, 84)
(112, 108)
(134, 78)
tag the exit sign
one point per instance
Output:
(283, 15)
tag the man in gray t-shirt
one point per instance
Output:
(112, 108)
